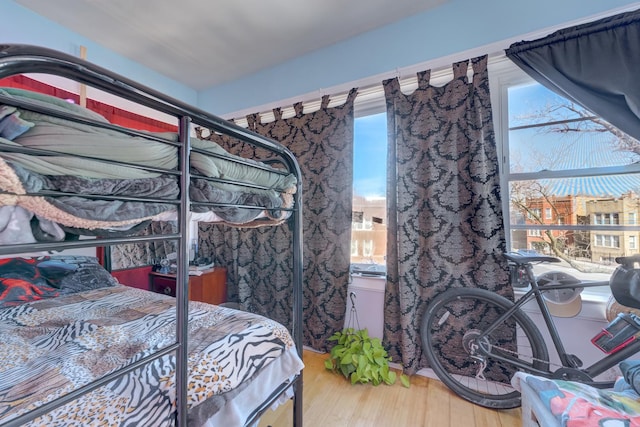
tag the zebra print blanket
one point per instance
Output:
(53, 346)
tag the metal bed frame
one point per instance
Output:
(17, 59)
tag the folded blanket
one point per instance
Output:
(67, 136)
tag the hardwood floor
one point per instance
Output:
(330, 400)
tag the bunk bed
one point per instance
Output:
(80, 348)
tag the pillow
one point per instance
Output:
(30, 279)
(5, 110)
(88, 274)
(12, 126)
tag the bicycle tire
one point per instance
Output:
(448, 327)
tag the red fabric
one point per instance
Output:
(115, 115)
(23, 280)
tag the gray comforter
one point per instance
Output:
(23, 175)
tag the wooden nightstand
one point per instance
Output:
(210, 286)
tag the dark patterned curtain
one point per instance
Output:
(258, 260)
(132, 255)
(444, 206)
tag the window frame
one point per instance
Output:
(504, 74)
(371, 106)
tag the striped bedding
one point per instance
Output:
(52, 346)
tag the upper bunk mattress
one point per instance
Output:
(79, 162)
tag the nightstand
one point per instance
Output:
(210, 286)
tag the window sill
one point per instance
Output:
(370, 275)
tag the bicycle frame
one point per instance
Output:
(567, 362)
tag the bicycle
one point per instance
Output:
(475, 340)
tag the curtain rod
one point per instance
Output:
(370, 91)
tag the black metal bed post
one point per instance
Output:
(182, 278)
(298, 282)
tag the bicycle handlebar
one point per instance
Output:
(526, 259)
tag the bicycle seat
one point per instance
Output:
(526, 259)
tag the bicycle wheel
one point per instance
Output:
(449, 329)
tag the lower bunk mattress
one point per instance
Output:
(52, 346)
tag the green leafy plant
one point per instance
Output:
(361, 359)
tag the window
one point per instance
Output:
(369, 229)
(354, 248)
(607, 241)
(533, 213)
(367, 248)
(560, 159)
(605, 218)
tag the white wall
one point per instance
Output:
(369, 304)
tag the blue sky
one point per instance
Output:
(536, 149)
(540, 148)
(370, 156)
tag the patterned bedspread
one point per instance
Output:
(52, 346)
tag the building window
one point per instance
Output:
(354, 248)
(605, 219)
(367, 248)
(533, 213)
(632, 242)
(560, 158)
(607, 241)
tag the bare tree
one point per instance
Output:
(530, 197)
(569, 117)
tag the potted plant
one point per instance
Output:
(361, 359)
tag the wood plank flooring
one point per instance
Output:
(329, 400)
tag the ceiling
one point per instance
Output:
(204, 43)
